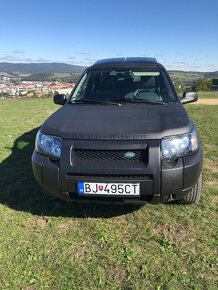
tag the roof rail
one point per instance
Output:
(127, 60)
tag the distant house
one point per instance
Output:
(214, 86)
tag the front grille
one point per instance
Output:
(109, 155)
(111, 176)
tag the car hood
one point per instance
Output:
(111, 122)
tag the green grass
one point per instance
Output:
(61, 75)
(2, 73)
(208, 95)
(58, 245)
(205, 95)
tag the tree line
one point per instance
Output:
(202, 85)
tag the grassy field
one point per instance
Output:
(57, 245)
(2, 73)
(208, 95)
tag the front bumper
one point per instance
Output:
(159, 181)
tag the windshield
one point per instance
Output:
(129, 85)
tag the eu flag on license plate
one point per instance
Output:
(81, 187)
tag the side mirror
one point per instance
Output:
(189, 97)
(59, 99)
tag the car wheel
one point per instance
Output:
(193, 196)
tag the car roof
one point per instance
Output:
(126, 62)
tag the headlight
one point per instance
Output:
(48, 145)
(177, 146)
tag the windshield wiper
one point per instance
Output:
(124, 100)
(87, 101)
(146, 101)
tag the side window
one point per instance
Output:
(81, 89)
(165, 89)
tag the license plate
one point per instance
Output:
(109, 188)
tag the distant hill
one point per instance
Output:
(189, 78)
(211, 74)
(30, 68)
(63, 77)
(186, 72)
(70, 73)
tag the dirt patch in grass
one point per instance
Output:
(214, 199)
(41, 222)
(79, 251)
(206, 102)
(65, 226)
(176, 233)
(50, 112)
(211, 170)
(180, 234)
(209, 164)
(213, 183)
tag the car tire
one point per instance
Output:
(193, 196)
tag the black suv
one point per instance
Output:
(123, 136)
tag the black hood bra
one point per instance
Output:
(125, 122)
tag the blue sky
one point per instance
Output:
(180, 34)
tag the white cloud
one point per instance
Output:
(90, 59)
(191, 66)
(83, 53)
(17, 51)
(12, 58)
